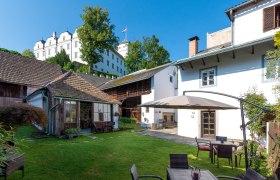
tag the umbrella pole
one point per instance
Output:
(244, 135)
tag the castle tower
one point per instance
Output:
(123, 48)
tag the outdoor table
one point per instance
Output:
(185, 174)
(225, 143)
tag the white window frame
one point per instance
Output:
(211, 75)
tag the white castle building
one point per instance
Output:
(111, 62)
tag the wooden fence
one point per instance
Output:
(273, 131)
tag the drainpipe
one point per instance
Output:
(50, 116)
(47, 105)
(232, 27)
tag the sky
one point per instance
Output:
(172, 21)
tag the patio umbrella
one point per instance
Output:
(187, 102)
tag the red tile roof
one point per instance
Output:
(73, 85)
(17, 69)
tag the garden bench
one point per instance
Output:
(15, 162)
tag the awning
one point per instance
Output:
(187, 102)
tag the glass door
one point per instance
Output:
(208, 124)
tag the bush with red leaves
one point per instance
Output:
(21, 114)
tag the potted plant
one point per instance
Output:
(71, 132)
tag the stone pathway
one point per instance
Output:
(170, 137)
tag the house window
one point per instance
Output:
(117, 59)
(38, 46)
(107, 52)
(68, 46)
(208, 77)
(113, 66)
(271, 18)
(101, 59)
(76, 55)
(121, 62)
(50, 42)
(102, 112)
(76, 43)
(147, 110)
(95, 66)
(63, 38)
(70, 110)
(123, 72)
(102, 69)
(113, 56)
(120, 70)
(171, 79)
(49, 51)
(117, 69)
(43, 54)
(271, 68)
(107, 62)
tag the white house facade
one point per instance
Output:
(163, 84)
(144, 86)
(111, 61)
(232, 66)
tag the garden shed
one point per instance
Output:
(71, 101)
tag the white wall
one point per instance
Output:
(248, 23)
(234, 77)
(36, 101)
(161, 88)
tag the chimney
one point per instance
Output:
(54, 34)
(193, 46)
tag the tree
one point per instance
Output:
(96, 34)
(146, 55)
(273, 58)
(9, 51)
(28, 53)
(134, 57)
(60, 58)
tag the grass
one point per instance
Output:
(110, 156)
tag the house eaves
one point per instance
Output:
(224, 50)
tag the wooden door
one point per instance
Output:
(208, 124)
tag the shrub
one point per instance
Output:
(72, 131)
(128, 120)
(20, 113)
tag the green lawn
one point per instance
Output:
(110, 156)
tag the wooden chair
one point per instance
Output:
(203, 145)
(250, 175)
(223, 151)
(179, 161)
(135, 176)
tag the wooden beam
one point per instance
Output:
(233, 54)
(190, 64)
(203, 62)
(218, 58)
(253, 49)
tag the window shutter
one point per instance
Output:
(269, 18)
